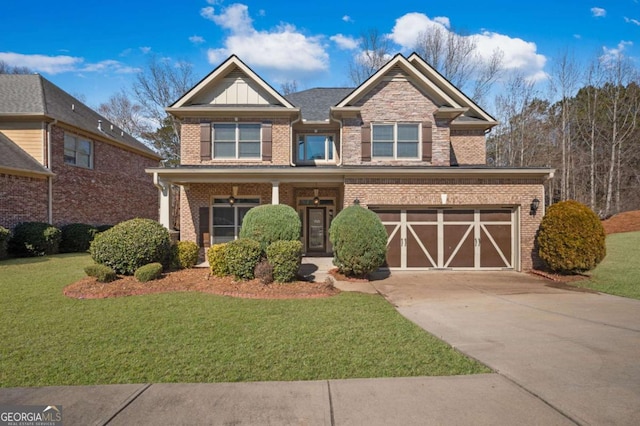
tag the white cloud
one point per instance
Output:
(614, 53)
(109, 65)
(598, 12)
(519, 54)
(208, 12)
(196, 39)
(347, 18)
(345, 42)
(443, 20)
(631, 21)
(145, 49)
(577, 36)
(42, 63)
(285, 51)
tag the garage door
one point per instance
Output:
(443, 238)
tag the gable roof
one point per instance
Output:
(315, 104)
(14, 160)
(31, 95)
(215, 77)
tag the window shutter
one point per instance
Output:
(427, 144)
(205, 141)
(366, 142)
(266, 141)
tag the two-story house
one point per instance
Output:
(406, 144)
(62, 162)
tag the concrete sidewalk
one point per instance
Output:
(486, 399)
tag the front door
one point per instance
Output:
(316, 229)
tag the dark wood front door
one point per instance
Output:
(316, 220)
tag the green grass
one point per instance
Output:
(619, 272)
(48, 339)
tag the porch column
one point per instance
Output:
(165, 204)
(275, 192)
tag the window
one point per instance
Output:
(398, 140)
(234, 140)
(78, 151)
(315, 148)
(227, 218)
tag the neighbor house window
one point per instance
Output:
(315, 148)
(396, 140)
(227, 218)
(78, 151)
(236, 140)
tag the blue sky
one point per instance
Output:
(93, 49)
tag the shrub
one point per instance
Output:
(102, 273)
(217, 260)
(132, 244)
(264, 272)
(77, 237)
(4, 242)
(571, 238)
(284, 257)
(241, 257)
(35, 239)
(359, 241)
(149, 272)
(102, 228)
(184, 254)
(269, 223)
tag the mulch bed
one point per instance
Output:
(622, 222)
(197, 279)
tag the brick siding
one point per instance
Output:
(22, 199)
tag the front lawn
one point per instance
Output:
(619, 272)
(49, 339)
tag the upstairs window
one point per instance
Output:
(78, 151)
(396, 140)
(315, 149)
(236, 141)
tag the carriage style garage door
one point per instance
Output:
(455, 239)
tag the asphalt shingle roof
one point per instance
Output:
(14, 157)
(315, 103)
(32, 94)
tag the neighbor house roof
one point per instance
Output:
(14, 160)
(31, 95)
(315, 104)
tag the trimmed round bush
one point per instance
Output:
(102, 273)
(35, 239)
(132, 244)
(102, 228)
(271, 222)
(5, 234)
(149, 272)
(241, 257)
(359, 241)
(77, 237)
(217, 260)
(571, 238)
(285, 257)
(184, 254)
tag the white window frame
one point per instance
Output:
(329, 147)
(235, 206)
(395, 140)
(237, 141)
(76, 140)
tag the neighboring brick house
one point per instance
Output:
(405, 144)
(61, 162)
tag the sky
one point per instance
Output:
(94, 49)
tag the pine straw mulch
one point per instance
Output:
(200, 280)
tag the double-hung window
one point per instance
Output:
(78, 151)
(227, 218)
(396, 140)
(236, 140)
(315, 149)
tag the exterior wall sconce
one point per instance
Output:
(356, 202)
(232, 197)
(232, 200)
(316, 199)
(535, 203)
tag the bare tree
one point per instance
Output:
(289, 87)
(375, 52)
(456, 57)
(5, 68)
(126, 114)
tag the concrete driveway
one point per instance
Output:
(577, 351)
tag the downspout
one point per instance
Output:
(48, 165)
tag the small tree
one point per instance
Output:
(359, 241)
(270, 223)
(571, 238)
